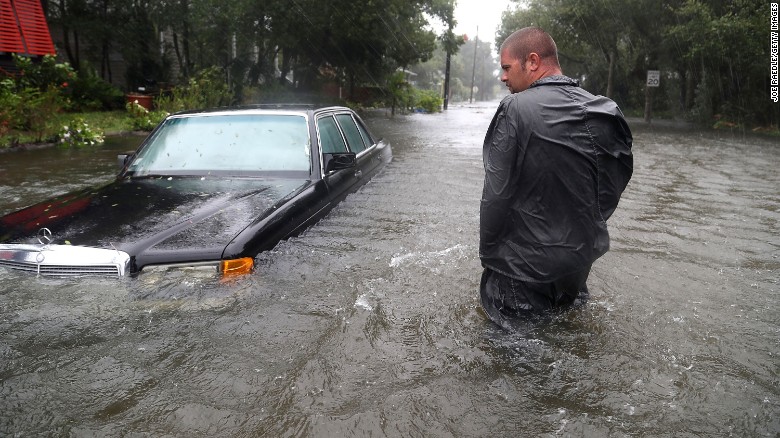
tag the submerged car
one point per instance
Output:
(205, 189)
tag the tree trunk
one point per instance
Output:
(105, 64)
(611, 74)
(690, 89)
(105, 48)
(66, 36)
(185, 36)
(285, 68)
(447, 82)
(179, 58)
(351, 86)
(76, 64)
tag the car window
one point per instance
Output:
(366, 136)
(224, 143)
(330, 137)
(354, 139)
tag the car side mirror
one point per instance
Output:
(122, 159)
(338, 161)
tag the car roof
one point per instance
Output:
(281, 108)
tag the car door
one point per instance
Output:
(377, 152)
(340, 182)
(360, 143)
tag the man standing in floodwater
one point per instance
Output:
(557, 159)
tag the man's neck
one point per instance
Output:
(548, 71)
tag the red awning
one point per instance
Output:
(23, 28)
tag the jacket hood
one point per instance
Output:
(555, 80)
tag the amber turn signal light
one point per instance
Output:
(237, 266)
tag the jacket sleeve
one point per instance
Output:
(500, 152)
(613, 142)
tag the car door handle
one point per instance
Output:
(358, 174)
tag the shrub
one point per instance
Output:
(89, 92)
(43, 75)
(143, 119)
(429, 101)
(80, 92)
(8, 103)
(33, 96)
(34, 109)
(401, 92)
(78, 134)
(207, 89)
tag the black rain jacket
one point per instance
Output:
(557, 159)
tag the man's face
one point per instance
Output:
(513, 73)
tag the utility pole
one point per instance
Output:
(474, 65)
(451, 45)
(448, 46)
(447, 81)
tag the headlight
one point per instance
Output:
(227, 268)
(233, 267)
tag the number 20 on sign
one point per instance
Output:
(653, 78)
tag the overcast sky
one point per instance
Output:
(483, 13)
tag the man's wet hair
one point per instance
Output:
(531, 39)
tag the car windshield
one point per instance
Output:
(234, 144)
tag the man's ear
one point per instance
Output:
(534, 60)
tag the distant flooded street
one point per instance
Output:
(369, 323)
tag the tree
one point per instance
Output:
(271, 43)
(720, 46)
(444, 10)
(709, 52)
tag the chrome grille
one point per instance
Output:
(64, 260)
(18, 265)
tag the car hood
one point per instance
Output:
(153, 214)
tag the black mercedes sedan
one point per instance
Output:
(209, 189)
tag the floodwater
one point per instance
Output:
(369, 323)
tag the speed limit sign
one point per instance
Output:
(653, 78)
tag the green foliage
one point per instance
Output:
(9, 100)
(297, 44)
(42, 75)
(43, 88)
(405, 97)
(428, 100)
(719, 48)
(39, 90)
(711, 54)
(703, 108)
(91, 93)
(207, 89)
(142, 119)
(34, 109)
(401, 93)
(78, 133)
